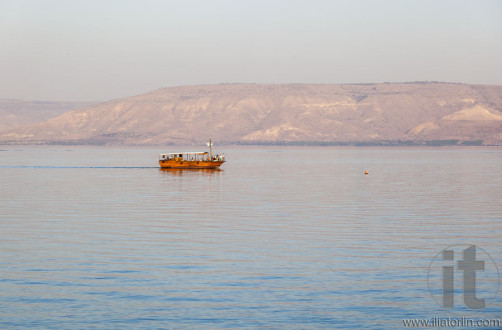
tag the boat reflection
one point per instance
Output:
(191, 171)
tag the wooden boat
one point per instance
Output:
(192, 160)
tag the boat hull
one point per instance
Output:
(190, 164)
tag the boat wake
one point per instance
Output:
(96, 167)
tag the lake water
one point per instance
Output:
(280, 237)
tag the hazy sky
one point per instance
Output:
(98, 50)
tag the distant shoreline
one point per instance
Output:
(432, 143)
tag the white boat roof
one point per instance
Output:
(186, 152)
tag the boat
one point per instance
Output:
(192, 160)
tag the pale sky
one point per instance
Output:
(99, 50)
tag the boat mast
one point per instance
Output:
(210, 148)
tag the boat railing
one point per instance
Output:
(192, 156)
(185, 156)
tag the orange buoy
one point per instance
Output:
(365, 172)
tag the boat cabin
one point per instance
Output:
(191, 156)
(186, 156)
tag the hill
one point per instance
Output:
(19, 113)
(386, 113)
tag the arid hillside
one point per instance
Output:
(421, 112)
(19, 113)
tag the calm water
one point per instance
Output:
(281, 237)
